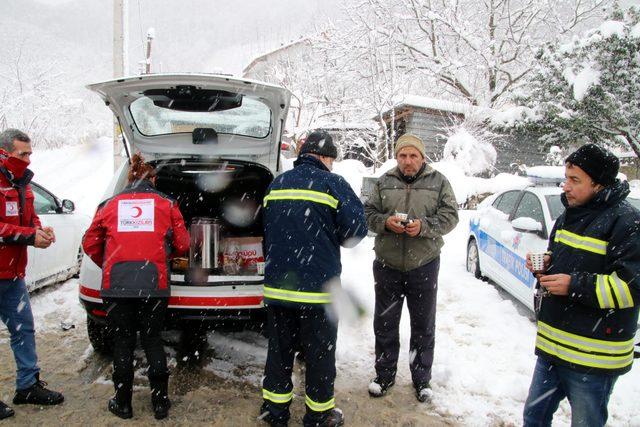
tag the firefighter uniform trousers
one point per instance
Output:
(310, 329)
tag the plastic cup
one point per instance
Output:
(537, 261)
(260, 268)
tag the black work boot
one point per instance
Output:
(160, 397)
(5, 411)
(267, 417)
(335, 419)
(37, 394)
(424, 394)
(378, 386)
(120, 404)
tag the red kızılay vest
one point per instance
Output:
(18, 223)
(132, 237)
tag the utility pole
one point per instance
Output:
(151, 34)
(120, 61)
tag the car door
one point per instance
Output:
(61, 254)
(489, 233)
(521, 283)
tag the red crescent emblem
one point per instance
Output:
(138, 212)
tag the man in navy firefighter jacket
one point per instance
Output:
(309, 213)
(589, 294)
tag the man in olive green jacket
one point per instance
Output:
(411, 208)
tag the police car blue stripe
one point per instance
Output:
(508, 259)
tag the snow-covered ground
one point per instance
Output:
(484, 340)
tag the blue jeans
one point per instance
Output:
(15, 312)
(588, 395)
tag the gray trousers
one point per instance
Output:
(420, 287)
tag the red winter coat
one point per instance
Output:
(132, 237)
(18, 221)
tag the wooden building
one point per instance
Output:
(430, 118)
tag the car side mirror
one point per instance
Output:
(527, 225)
(68, 206)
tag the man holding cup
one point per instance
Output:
(588, 304)
(411, 208)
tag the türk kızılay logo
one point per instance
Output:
(136, 215)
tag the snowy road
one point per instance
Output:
(484, 358)
(483, 362)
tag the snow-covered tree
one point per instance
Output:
(367, 72)
(477, 51)
(588, 90)
(470, 145)
(38, 97)
(555, 156)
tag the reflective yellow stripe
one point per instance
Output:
(603, 292)
(584, 359)
(584, 243)
(275, 397)
(297, 296)
(621, 289)
(320, 407)
(584, 343)
(308, 195)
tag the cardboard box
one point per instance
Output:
(240, 255)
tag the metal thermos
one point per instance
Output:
(205, 243)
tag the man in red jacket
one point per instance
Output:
(19, 228)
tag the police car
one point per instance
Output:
(511, 223)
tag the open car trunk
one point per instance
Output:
(227, 193)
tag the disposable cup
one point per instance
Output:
(537, 261)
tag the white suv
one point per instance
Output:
(215, 142)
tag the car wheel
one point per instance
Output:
(473, 259)
(100, 337)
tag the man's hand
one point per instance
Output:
(50, 233)
(413, 228)
(43, 240)
(556, 284)
(393, 224)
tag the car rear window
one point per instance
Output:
(555, 206)
(252, 118)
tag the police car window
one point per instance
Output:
(496, 202)
(508, 201)
(43, 202)
(555, 206)
(530, 207)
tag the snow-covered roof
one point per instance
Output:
(345, 126)
(428, 103)
(263, 57)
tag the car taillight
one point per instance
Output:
(100, 313)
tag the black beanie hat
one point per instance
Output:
(319, 142)
(600, 164)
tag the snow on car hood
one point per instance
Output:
(174, 115)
